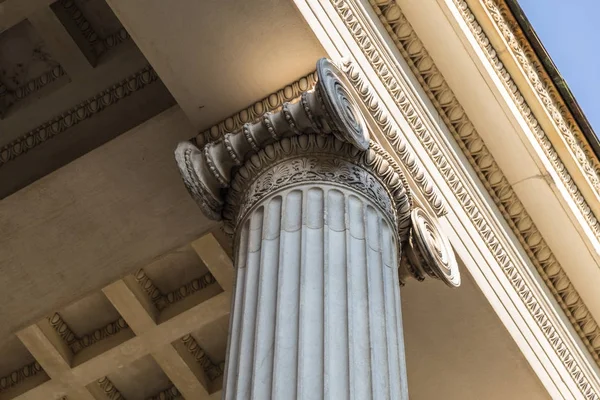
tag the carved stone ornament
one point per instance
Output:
(428, 252)
(328, 109)
(321, 136)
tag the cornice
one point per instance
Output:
(488, 172)
(566, 125)
(569, 298)
(77, 114)
(522, 51)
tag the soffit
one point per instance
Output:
(218, 56)
(123, 203)
(456, 346)
(71, 79)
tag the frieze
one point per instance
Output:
(452, 177)
(490, 174)
(77, 114)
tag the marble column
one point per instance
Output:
(320, 216)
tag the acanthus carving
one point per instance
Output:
(211, 369)
(318, 158)
(418, 59)
(18, 376)
(163, 300)
(77, 114)
(76, 343)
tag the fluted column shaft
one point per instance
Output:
(316, 310)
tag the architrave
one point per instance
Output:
(576, 374)
(490, 174)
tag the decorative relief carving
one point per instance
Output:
(98, 44)
(569, 131)
(490, 174)
(76, 343)
(110, 391)
(418, 59)
(397, 139)
(168, 394)
(428, 252)
(319, 158)
(211, 369)
(542, 84)
(272, 103)
(77, 114)
(10, 97)
(328, 109)
(321, 138)
(20, 375)
(164, 300)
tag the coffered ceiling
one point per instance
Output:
(71, 79)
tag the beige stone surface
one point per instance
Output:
(458, 349)
(219, 56)
(94, 220)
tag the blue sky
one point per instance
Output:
(570, 31)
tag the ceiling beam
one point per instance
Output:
(14, 11)
(60, 43)
(95, 220)
(216, 260)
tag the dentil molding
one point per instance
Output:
(535, 72)
(488, 171)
